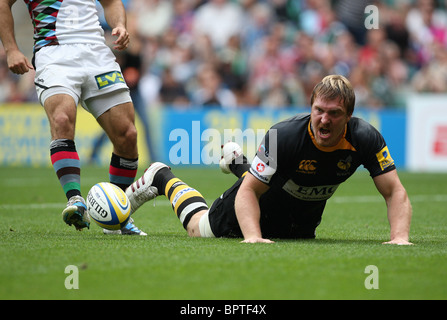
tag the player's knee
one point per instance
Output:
(199, 225)
(130, 136)
(62, 125)
(126, 140)
(193, 230)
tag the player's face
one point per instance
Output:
(329, 119)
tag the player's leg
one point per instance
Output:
(119, 124)
(157, 180)
(106, 96)
(221, 214)
(188, 204)
(220, 220)
(61, 112)
(199, 225)
(115, 114)
(60, 107)
(57, 82)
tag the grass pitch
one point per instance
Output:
(37, 246)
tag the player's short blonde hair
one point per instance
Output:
(335, 87)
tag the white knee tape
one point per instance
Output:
(204, 226)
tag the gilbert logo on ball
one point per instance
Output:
(108, 206)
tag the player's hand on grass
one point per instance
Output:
(401, 242)
(122, 42)
(257, 240)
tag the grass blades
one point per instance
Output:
(36, 247)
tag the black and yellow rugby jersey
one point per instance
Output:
(303, 175)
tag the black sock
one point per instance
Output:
(161, 179)
(239, 166)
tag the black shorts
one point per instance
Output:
(222, 215)
(277, 220)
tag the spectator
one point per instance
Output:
(433, 76)
(316, 17)
(369, 53)
(172, 92)
(396, 73)
(352, 15)
(272, 57)
(232, 64)
(426, 25)
(183, 18)
(219, 20)
(210, 91)
(309, 67)
(154, 16)
(259, 20)
(276, 95)
(396, 31)
(309, 39)
(287, 11)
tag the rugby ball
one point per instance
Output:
(108, 206)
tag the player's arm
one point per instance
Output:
(398, 206)
(247, 209)
(17, 62)
(115, 15)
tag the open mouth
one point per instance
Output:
(324, 133)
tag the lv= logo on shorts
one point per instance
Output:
(108, 79)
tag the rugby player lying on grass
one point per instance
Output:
(297, 168)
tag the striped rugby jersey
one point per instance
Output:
(64, 22)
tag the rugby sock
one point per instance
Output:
(65, 160)
(239, 166)
(122, 171)
(185, 201)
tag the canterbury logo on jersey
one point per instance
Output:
(108, 79)
(307, 166)
(314, 193)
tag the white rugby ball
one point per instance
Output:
(108, 206)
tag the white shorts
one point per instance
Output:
(84, 71)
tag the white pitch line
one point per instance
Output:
(356, 199)
(375, 199)
(165, 202)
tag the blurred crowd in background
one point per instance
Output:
(271, 53)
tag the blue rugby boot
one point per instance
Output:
(129, 229)
(76, 213)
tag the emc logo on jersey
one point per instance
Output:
(108, 79)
